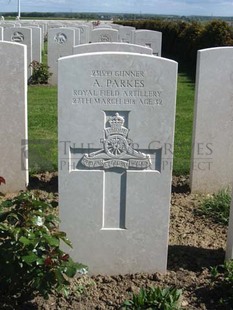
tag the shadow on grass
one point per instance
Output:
(186, 67)
(193, 258)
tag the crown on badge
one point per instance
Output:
(116, 122)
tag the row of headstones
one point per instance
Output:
(116, 118)
(113, 33)
(109, 32)
(67, 41)
(31, 36)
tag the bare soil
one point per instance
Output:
(196, 243)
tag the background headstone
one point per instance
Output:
(60, 43)
(104, 35)
(53, 24)
(21, 35)
(111, 47)
(77, 34)
(116, 116)
(7, 24)
(115, 26)
(126, 34)
(13, 117)
(212, 164)
(150, 38)
(84, 33)
(36, 43)
(103, 26)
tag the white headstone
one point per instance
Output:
(28, 24)
(126, 34)
(84, 33)
(24, 36)
(104, 35)
(115, 26)
(13, 117)
(150, 38)
(111, 47)
(42, 36)
(104, 26)
(55, 25)
(212, 164)
(8, 24)
(36, 43)
(77, 34)
(42, 27)
(229, 247)
(116, 115)
(60, 43)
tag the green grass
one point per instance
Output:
(42, 124)
(217, 206)
(222, 284)
(184, 123)
(154, 298)
(42, 107)
(45, 54)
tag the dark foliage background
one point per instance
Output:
(181, 40)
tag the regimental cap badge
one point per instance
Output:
(117, 151)
(60, 38)
(17, 37)
(105, 38)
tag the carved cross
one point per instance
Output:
(116, 159)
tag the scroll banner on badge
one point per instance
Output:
(115, 163)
